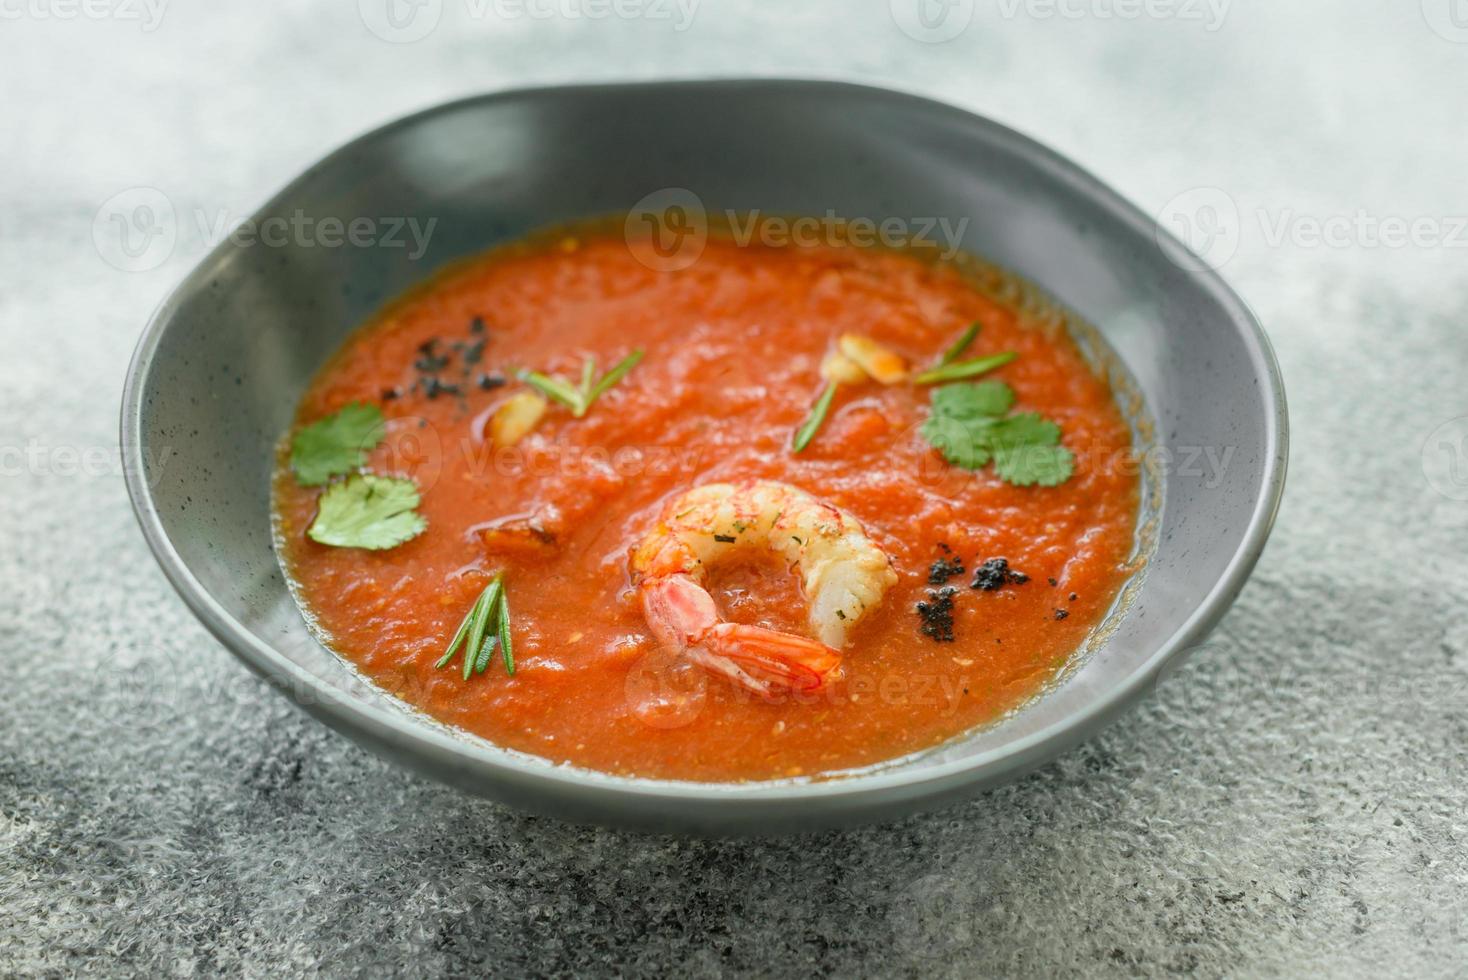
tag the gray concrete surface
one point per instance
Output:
(1291, 803)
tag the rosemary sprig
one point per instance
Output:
(486, 626)
(960, 345)
(959, 370)
(814, 420)
(579, 398)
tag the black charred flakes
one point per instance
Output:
(944, 569)
(995, 574)
(937, 614)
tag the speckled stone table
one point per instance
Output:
(1292, 801)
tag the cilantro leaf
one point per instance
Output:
(963, 442)
(1027, 466)
(969, 428)
(367, 511)
(1027, 451)
(1025, 429)
(966, 401)
(336, 444)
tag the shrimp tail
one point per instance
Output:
(772, 658)
(683, 617)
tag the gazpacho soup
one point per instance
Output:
(788, 511)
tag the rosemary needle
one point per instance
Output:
(481, 663)
(964, 369)
(459, 635)
(476, 631)
(505, 634)
(554, 388)
(477, 654)
(960, 345)
(617, 373)
(812, 423)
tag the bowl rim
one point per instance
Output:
(405, 733)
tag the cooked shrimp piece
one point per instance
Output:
(877, 361)
(837, 367)
(514, 419)
(844, 574)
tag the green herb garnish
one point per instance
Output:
(960, 345)
(367, 511)
(968, 425)
(959, 370)
(553, 388)
(1027, 452)
(973, 400)
(482, 617)
(481, 662)
(813, 421)
(504, 634)
(485, 626)
(579, 398)
(336, 444)
(617, 373)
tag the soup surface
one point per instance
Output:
(733, 347)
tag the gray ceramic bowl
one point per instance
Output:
(219, 369)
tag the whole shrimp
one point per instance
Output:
(843, 573)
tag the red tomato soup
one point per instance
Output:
(736, 352)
